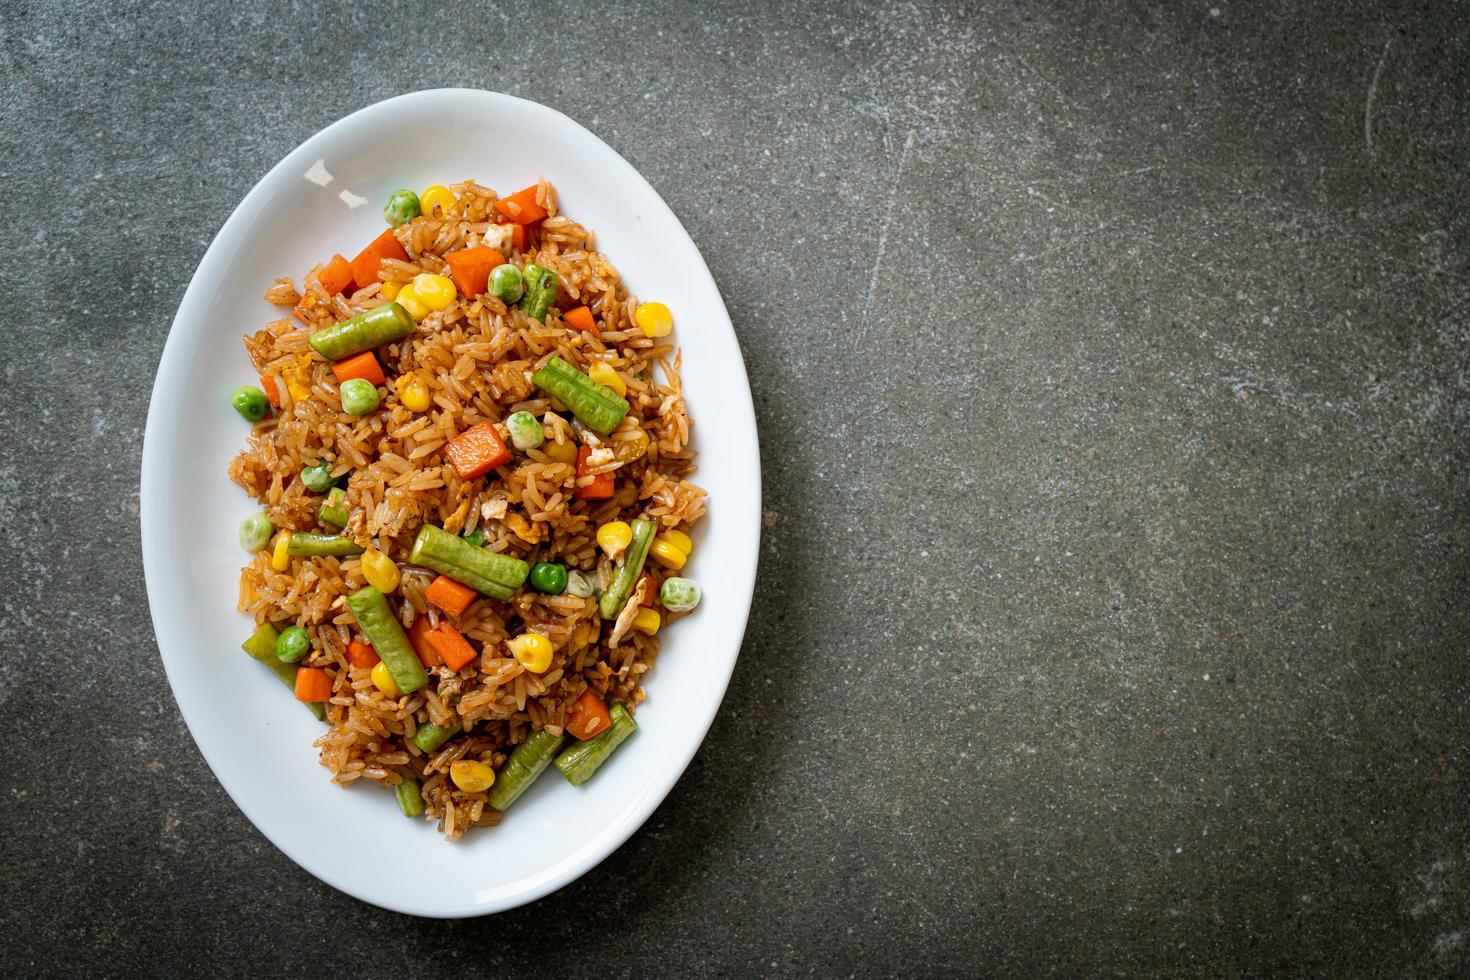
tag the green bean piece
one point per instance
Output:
(598, 406)
(494, 574)
(506, 283)
(549, 577)
(410, 799)
(261, 646)
(256, 531)
(306, 545)
(540, 291)
(251, 403)
(358, 396)
(333, 511)
(402, 207)
(380, 626)
(317, 477)
(579, 762)
(430, 736)
(525, 431)
(679, 594)
(628, 571)
(379, 325)
(526, 762)
(292, 644)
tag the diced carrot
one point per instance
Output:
(364, 366)
(589, 716)
(470, 268)
(476, 451)
(335, 276)
(365, 267)
(518, 237)
(452, 646)
(313, 684)
(521, 207)
(450, 596)
(581, 319)
(601, 487)
(418, 635)
(650, 589)
(300, 309)
(272, 393)
(362, 655)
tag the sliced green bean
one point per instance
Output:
(540, 291)
(261, 645)
(579, 762)
(380, 626)
(526, 762)
(333, 511)
(304, 545)
(494, 574)
(410, 799)
(430, 736)
(628, 571)
(598, 406)
(380, 325)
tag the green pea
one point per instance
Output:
(256, 531)
(358, 396)
(476, 537)
(548, 577)
(318, 477)
(402, 207)
(525, 431)
(251, 403)
(292, 644)
(506, 283)
(679, 594)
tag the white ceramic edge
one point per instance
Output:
(151, 478)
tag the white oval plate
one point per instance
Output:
(253, 734)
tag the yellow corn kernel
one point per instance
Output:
(408, 298)
(280, 558)
(604, 374)
(647, 621)
(379, 570)
(471, 776)
(654, 319)
(390, 290)
(383, 680)
(679, 540)
(562, 452)
(413, 394)
(436, 292)
(436, 196)
(667, 554)
(532, 651)
(613, 537)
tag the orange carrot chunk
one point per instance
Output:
(650, 589)
(470, 268)
(313, 684)
(418, 635)
(450, 596)
(361, 655)
(521, 207)
(589, 716)
(601, 487)
(365, 268)
(364, 366)
(336, 275)
(518, 237)
(272, 394)
(581, 319)
(476, 451)
(452, 646)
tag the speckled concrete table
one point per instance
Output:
(1112, 619)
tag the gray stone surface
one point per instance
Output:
(1113, 621)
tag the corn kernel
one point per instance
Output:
(532, 651)
(604, 374)
(647, 621)
(280, 557)
(408, 298)
(471, 776)
(562, 452)
(390, 290)
(436, 196)
(383, 680)
(436, 292)
(413, 394)
(667, 554)
(613, 537)
(679, 540)
(654, 319)
(379, 570)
